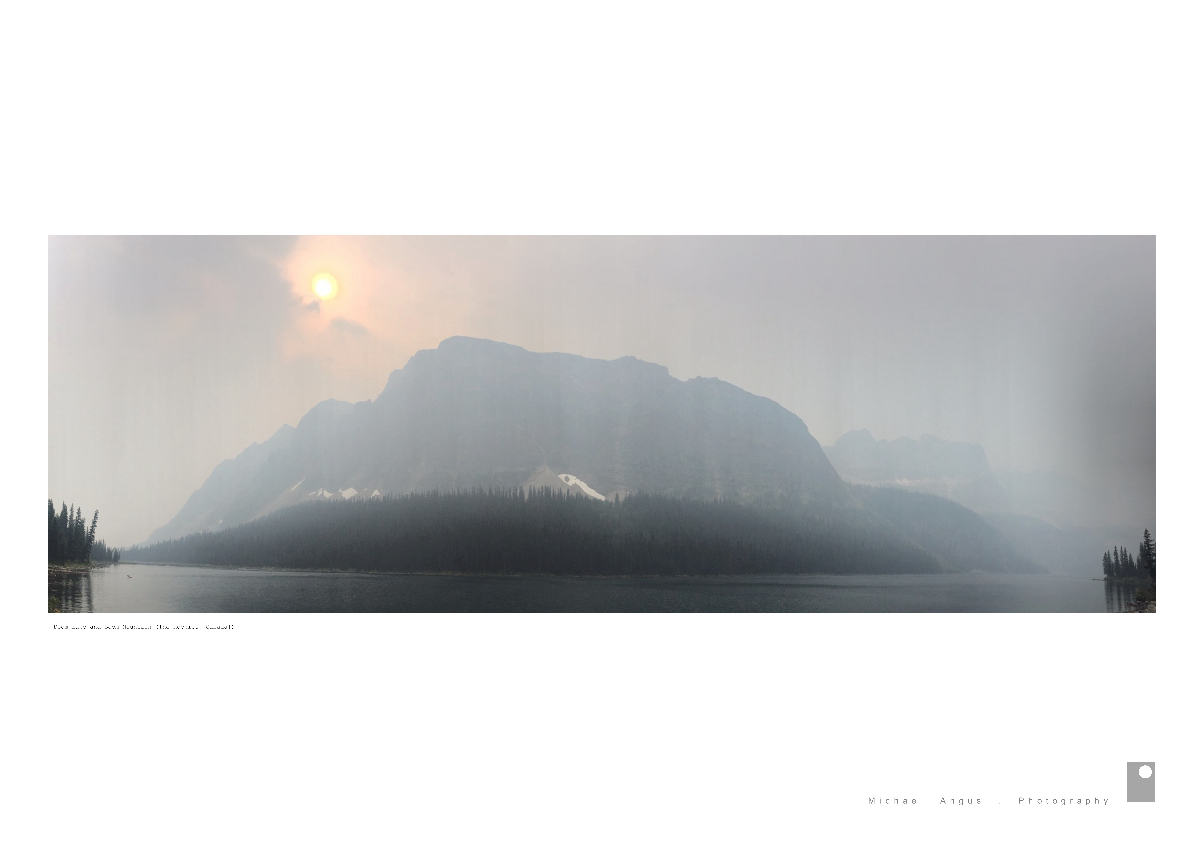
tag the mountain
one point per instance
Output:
(547, 531)
(960, 539)
(1056, 522)
(481, 413)
(957, 471)
(1067, 549)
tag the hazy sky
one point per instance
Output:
(168, 355)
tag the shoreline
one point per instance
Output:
(284, 570)
(1143, 601)
(75, 567)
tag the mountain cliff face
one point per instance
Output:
(481, 413)
(957, 471)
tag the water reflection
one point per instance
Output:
(139, 587)
(71, 590)
(1117, 596)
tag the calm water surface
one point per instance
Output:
(135, 587)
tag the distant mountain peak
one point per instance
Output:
(958, 471)
(474, 343)
(475, 412)
(856, 437)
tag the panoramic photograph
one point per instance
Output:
(601, 424)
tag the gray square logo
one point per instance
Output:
(1139, 781)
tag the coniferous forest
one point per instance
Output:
(547, 532)
(1120, 566)
(72, 539)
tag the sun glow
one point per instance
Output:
(325, 286)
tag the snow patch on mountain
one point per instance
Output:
(573, 481)
(348, 493)
(568, 483)
(298, 482)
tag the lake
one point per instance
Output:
(137, 587)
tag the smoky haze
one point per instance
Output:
(170, 354)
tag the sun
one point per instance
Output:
(325, 286)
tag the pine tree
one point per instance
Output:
(91, 537)
(52, 541)
(63, 523)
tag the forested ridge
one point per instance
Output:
(950, 531)
(71, 539)
(1119, 564)
(1120, 567)
(544, 532)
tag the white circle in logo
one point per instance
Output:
(1145, 771)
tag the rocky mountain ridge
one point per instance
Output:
(474, 412)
